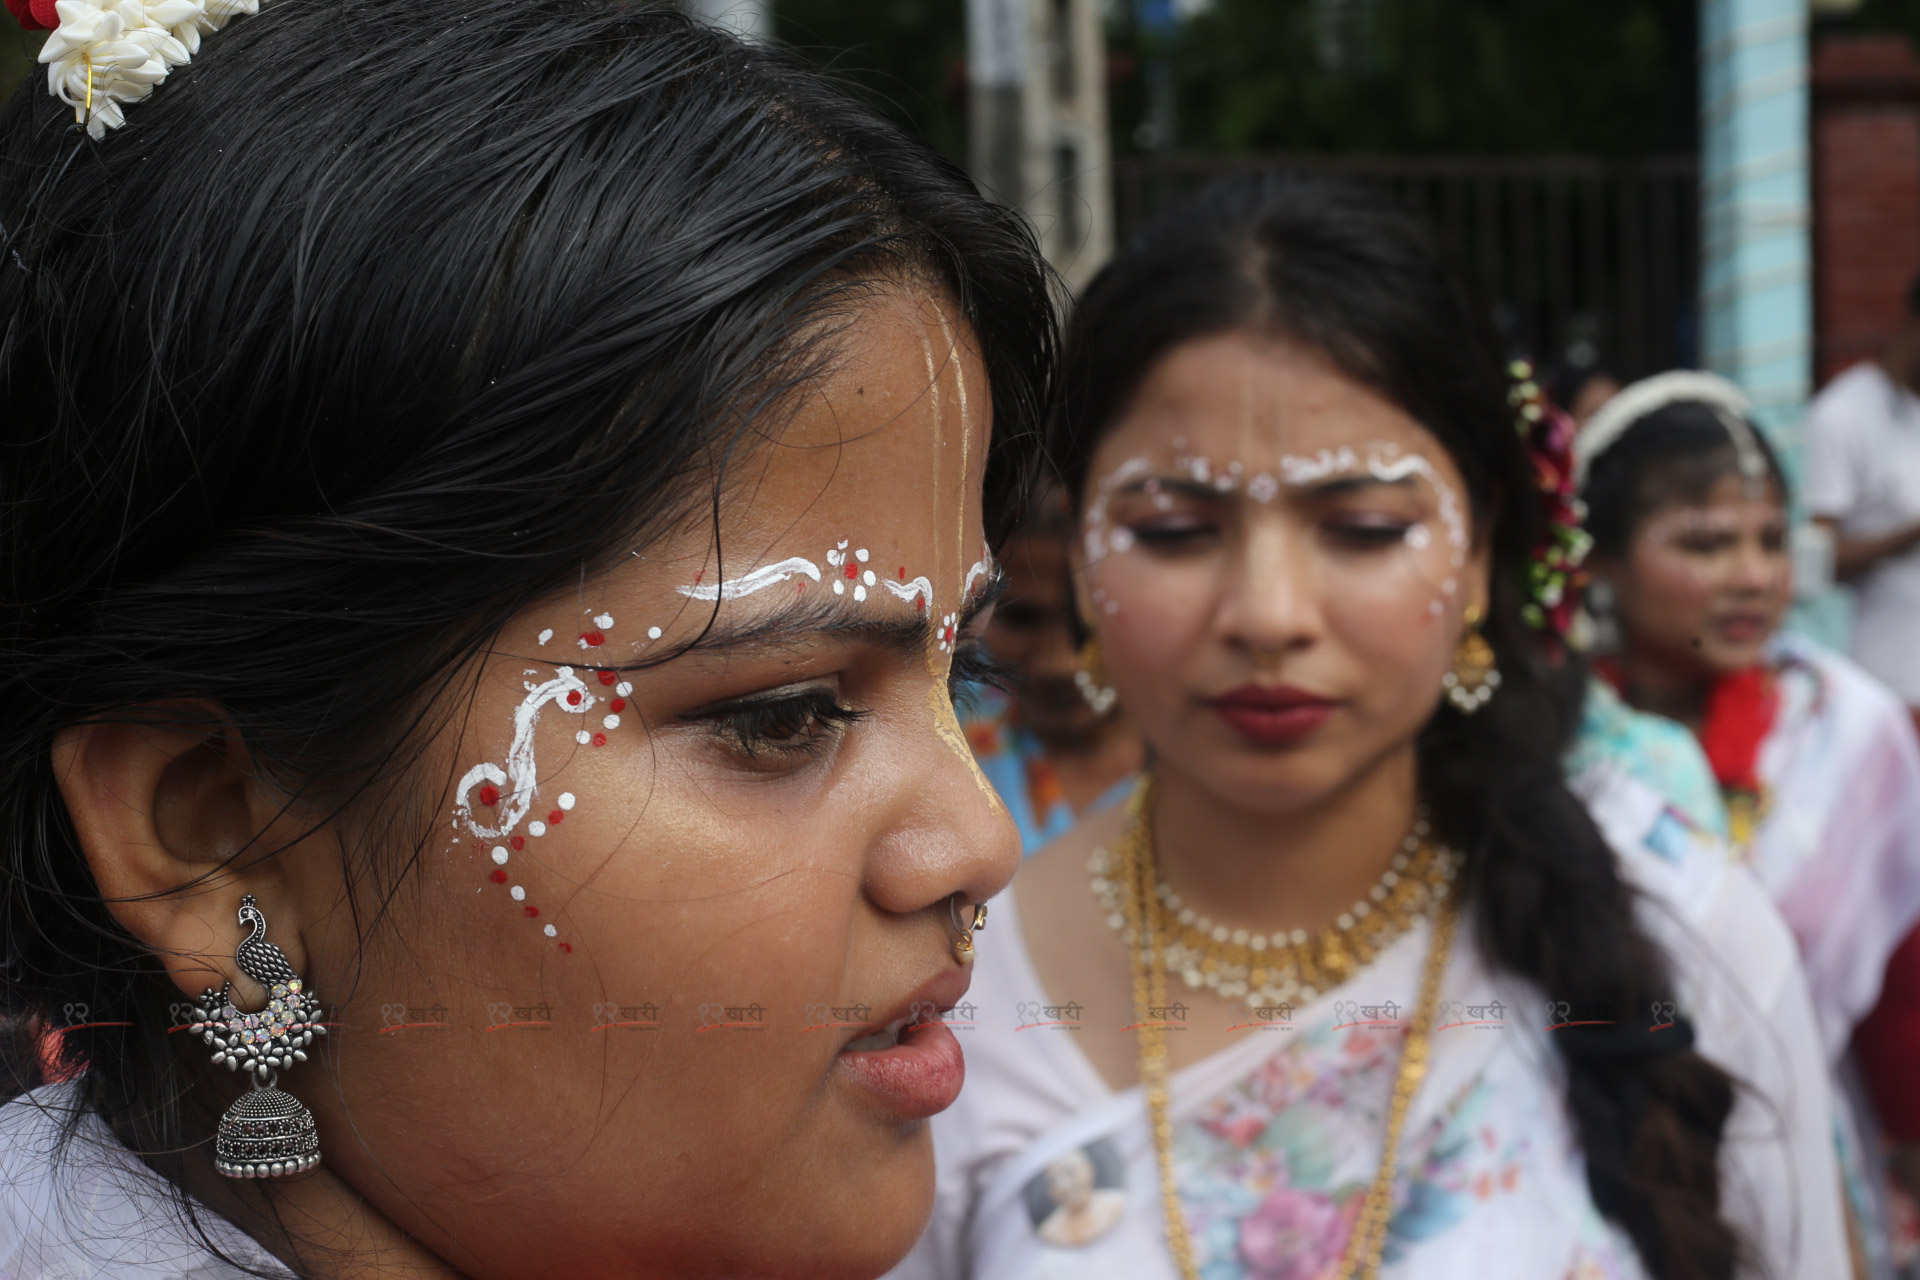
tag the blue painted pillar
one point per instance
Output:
(1756, 247)
(1756, 305)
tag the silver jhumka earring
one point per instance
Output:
(267, 1133)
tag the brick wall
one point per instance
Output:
(1866, 194)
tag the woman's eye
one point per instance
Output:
(1704, 544)
(1173, 535)
(974, 672)
(782, 729)
(1367, 534)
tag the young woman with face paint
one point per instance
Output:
(1354, 986)
(1815, 758)
(493, 513)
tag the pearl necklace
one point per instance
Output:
(1286, 968)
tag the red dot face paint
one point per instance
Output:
(573, 697)
(567, 947)
(518, 843)
(532, 912)
(599, 739)
(617, 705)
(594, 638)
(606, 677)
(500, 877)
(489, 795)
(553, 819)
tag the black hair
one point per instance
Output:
(1334, 269)
(1913, 297)
(1674, 454)
(371, 328)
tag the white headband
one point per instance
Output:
(1649, 395)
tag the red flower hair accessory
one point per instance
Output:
(34, 15)
(1554, 573)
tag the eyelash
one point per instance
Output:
(1360, 536)
(800, 725)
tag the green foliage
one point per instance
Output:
(17, 52)
(907, 57)
(1486, 77)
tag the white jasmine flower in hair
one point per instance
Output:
(106, 53)
(96, 60)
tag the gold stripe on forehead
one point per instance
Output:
(946, 721)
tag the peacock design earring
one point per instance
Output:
(267, 1133)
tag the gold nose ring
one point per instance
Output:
(963, 945)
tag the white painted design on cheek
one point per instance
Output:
(859, 593)
(860, 555)
(604, 621)
(612, 722)
(551, 931)
(519, 893)
(536, 829)
(566, 800)
(500, 855)
(653, 633)
(1419, 537)
(623, 689)
(546, 635)
(520, 778)
(759, 580)
(583, 737)
(1262, 488)
(1121, 541)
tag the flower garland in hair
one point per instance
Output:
(1554, 573)
(103, 54)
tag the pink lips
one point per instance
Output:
(917, 1078)
(922, 1074)
(1273, 715)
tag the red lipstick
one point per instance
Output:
(1273, 715)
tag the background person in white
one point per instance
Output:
(1863, 483)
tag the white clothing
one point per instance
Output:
(89, 1208)
(1863, 470)
(1277, 1137)
(1838, 848)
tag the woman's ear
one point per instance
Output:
(166, 814)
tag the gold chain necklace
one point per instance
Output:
(1365, 1246)
(1287, 968)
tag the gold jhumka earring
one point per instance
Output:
(1475, 674)
(1091, 678)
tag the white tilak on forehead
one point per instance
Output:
(759, 580)
(846, 569)
(1384, 461)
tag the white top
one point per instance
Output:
(1276, 1138)
(1863, 469)
(1838, 847)
(90, 1208)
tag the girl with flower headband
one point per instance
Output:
(1353, 986)
(494, 517)
(1815, 759)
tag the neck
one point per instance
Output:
(1085, 740)
(1301, 870)
(1653, 683)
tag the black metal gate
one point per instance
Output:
(1579, 259)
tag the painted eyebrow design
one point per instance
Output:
(818, 614)
(1329, 487)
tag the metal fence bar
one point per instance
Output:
(1558, 247)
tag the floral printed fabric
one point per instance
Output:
(1274, 1170)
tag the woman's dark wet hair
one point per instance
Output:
(1338, 271)
(373, 326)
(1675, 454)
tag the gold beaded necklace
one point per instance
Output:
(1365, 1246)
(1287, 968)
